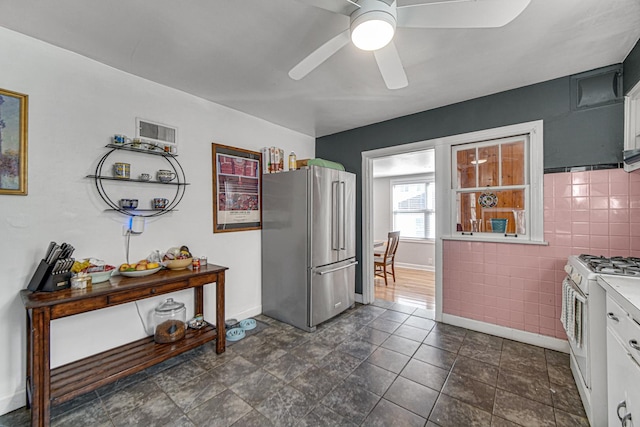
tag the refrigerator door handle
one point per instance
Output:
(322, 273)
(343, 215)
(335, 225)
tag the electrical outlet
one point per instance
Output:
(135, 226)
(430, 261)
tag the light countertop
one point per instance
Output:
(625, 291)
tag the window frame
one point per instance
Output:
(426, 179)
(524, 187)
(534, 175)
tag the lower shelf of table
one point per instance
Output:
(85, 375)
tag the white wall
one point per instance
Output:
(382, 221)
(411, 254)
(75, 105)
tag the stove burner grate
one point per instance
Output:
(622, 266)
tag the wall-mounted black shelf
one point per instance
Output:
(128, 147)
(110, 178)
(180, 183)
(137, 210)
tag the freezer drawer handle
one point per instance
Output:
(337, 269)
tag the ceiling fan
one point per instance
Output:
(374, 22)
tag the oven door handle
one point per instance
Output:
(579, 295)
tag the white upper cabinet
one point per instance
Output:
(632, 129)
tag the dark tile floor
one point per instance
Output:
(378, 365)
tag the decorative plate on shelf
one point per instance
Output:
(488, 200)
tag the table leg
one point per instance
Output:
(198, 297)
(222, 337)
(28, 381)
(40, 371)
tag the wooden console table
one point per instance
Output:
(46, 386)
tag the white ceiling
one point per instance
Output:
(416, 162)
(238, 52)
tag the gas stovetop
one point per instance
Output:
(621, 266)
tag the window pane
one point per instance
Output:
(409, 224)
(431, 196)
(466, 170)
(477, 209)
(488, 166)
(513, 163)
(430, 232)
(407, 197)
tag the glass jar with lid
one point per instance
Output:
(169, 319)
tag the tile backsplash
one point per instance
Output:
(519, 286)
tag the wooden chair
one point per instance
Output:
(383, 260)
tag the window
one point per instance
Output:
(413, 207)
(491, 188)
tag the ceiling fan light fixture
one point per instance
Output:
(372, 30)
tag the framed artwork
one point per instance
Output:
(237, 189)
(13, 143)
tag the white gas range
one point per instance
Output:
(583, 317)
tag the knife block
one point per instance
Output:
(57, 282)
(43, 280)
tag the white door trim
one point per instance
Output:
(368, 292)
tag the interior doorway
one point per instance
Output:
(401, 189)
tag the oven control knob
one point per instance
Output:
(577, 278)
(568, 269)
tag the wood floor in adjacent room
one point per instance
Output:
(411, 287)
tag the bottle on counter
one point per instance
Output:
(292, 161)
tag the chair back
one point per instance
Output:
(392, 244)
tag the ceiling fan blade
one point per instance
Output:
(390, 67)
(319, 55)
(343, 7)
(461, 14)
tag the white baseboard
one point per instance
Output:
(359, 298)
(513, 334)
(254, 311)
(415, 266)
(12, 402)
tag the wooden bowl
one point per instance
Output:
(178, 264)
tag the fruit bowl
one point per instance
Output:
(178, 264)
(140, 273)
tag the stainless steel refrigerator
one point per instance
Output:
(308, 245)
